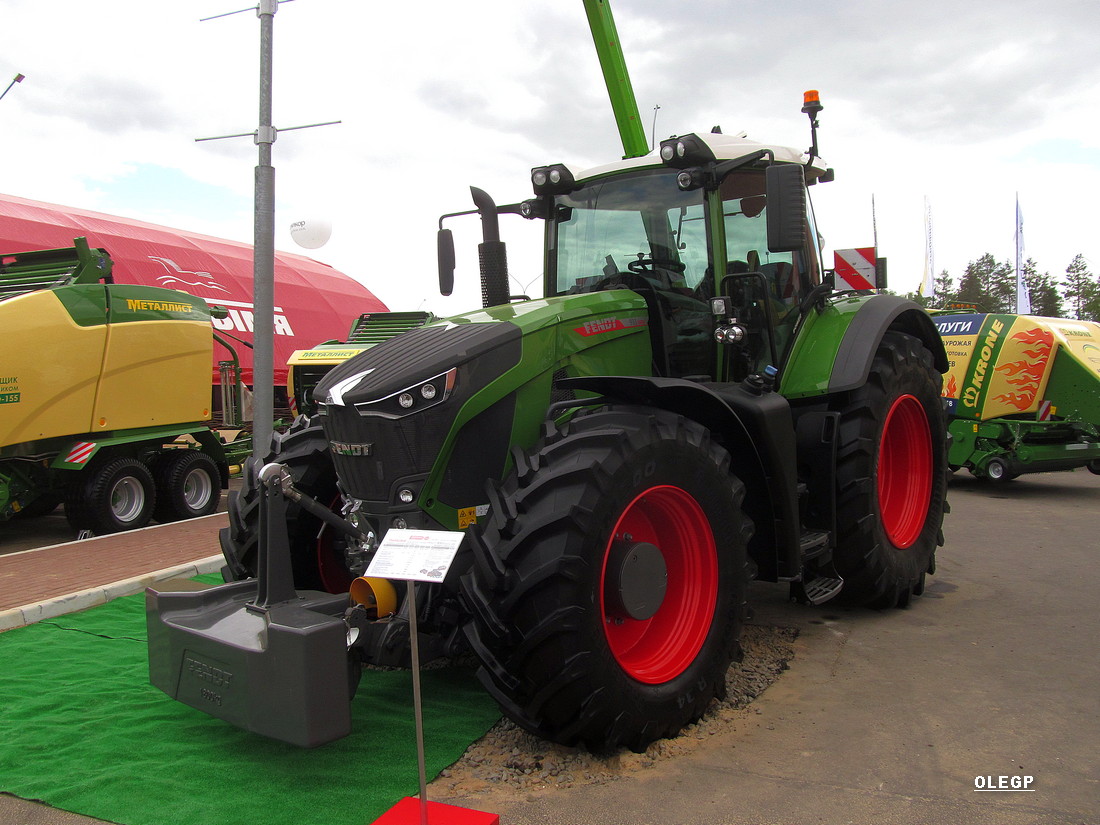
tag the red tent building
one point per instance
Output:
(313, 301)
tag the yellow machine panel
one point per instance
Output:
(154, 372)
(90, 358)
(50, 366)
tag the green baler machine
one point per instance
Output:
(99, 383)
(1023, 393)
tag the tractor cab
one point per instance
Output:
(719, 218)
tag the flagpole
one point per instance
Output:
(1023, 299)
(928, 285)
(874, 223)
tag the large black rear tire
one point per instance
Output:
(563, 588)
(315, 553)
(891, 476)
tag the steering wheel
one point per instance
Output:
(644, 264)
(621, 280)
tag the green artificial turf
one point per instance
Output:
(82, 729)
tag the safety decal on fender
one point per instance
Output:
(80, 452)
(609, 325)
(470, 515)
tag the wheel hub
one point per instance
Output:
(636, 579)
(127, 499)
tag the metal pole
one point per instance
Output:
(263, 255)
(417, 711)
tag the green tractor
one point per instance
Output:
(689, 408)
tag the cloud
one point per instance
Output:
(966, 103)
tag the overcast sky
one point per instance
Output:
(963, 103)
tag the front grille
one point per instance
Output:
(398, 448)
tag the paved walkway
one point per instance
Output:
(50, 581)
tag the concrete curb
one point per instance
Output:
(82, 600)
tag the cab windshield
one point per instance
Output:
(641, 224)
(640, 231)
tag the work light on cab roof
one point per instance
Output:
(687, 150)
(552, 180)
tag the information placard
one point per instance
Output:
(415, 555)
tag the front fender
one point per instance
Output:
(835, 347)
(758, 431)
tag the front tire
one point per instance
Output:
(316, 554)
(579, 643)
(891, 476)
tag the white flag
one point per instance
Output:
(928, 284)
(1023, 299)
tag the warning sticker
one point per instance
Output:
(470, 515)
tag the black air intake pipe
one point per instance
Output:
(491, 252)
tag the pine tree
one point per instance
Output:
(944, 285)
(1081, 291)
(942, 293)
(971, 290)
(1001, 285)
(988, 284)
(1043, 290)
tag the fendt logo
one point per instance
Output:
(342, 448)
(208, 673)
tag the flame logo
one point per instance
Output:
(1026, 376)
(951, 390)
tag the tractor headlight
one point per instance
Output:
(687, 150)
(552, 180)
(689, 179)
(412, 399)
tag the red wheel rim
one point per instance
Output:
(905, 471)
(660, 648)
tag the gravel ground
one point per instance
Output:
(509, 759)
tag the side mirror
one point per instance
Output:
(445, 251)
(785, 185)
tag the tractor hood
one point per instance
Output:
(435, 410)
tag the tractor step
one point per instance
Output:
(816, 590)
(814, 543)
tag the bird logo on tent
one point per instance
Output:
(177, 276)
